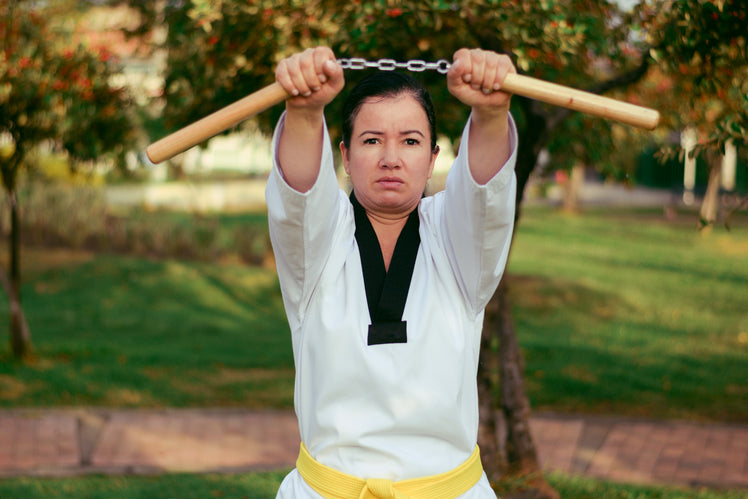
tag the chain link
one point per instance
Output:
(414, 65)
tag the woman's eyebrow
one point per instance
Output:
(372, 132)
(404, 132)
(408, 132)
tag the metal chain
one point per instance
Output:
(414, 65)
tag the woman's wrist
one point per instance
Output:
(305, 114)
(491, 118)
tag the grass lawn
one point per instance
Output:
(265, 486)
(617, 312)
(625, 313)
(129, 332)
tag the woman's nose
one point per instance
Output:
(390, 156)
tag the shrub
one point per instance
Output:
(78, 217)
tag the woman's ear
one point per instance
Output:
(344, 155)
(434, 154)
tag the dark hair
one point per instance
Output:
(386, 84)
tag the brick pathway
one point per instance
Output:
(38, 442)
(81, 441)
(645, 452)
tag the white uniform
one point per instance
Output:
(398, 410)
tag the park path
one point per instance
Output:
(65, 442)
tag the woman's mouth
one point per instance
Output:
(390, 182)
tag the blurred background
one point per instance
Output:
(129, 284)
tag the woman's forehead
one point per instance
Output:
(388, 109)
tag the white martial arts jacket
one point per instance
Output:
(400, 410)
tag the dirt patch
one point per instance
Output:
(732, 246)
(38, 260)
(48, 287)
(13, 389)
(238, 387)
(125, 397)
(227, 375)
(580, 374)
(228, 387)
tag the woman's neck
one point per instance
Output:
(388, 231)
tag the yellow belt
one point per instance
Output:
(334, 484)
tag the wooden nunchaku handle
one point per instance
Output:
(585, 102)
(273, 94)
(215, 123)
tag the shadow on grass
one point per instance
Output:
(117, 331)
(588, 351)
(128, 332)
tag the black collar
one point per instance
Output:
(386, 291)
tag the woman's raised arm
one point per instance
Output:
(475, 79)
(314, 78)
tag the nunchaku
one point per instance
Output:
(526, 86)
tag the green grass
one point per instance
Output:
(118, 331)
(586, 488)
(182, 486)
(617, 312)
(624, 313)
(265, 486)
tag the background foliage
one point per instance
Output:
(701, 45)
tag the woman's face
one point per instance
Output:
(390, 156)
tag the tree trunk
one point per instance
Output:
(20, 337)
(492, 456)
(572, 189)
(520, 449)
(710, 204)
(499, 327)
(522, 457)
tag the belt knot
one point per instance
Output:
(333, 484)
(381, 488)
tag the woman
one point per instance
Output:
(385, 290)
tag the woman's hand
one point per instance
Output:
(313, 77)
(475, 79)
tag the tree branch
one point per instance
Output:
(624, 79)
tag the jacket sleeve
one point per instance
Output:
(477, 223)
(302, 227)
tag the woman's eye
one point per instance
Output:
(412, 142)
(370, 141)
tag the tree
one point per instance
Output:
(581, 43)
(701, 49)
(57, 93)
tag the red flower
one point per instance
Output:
(663, 86)
(533, 53)
(212, 40)
(394, 12)
(25, 62)
(104, 54)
